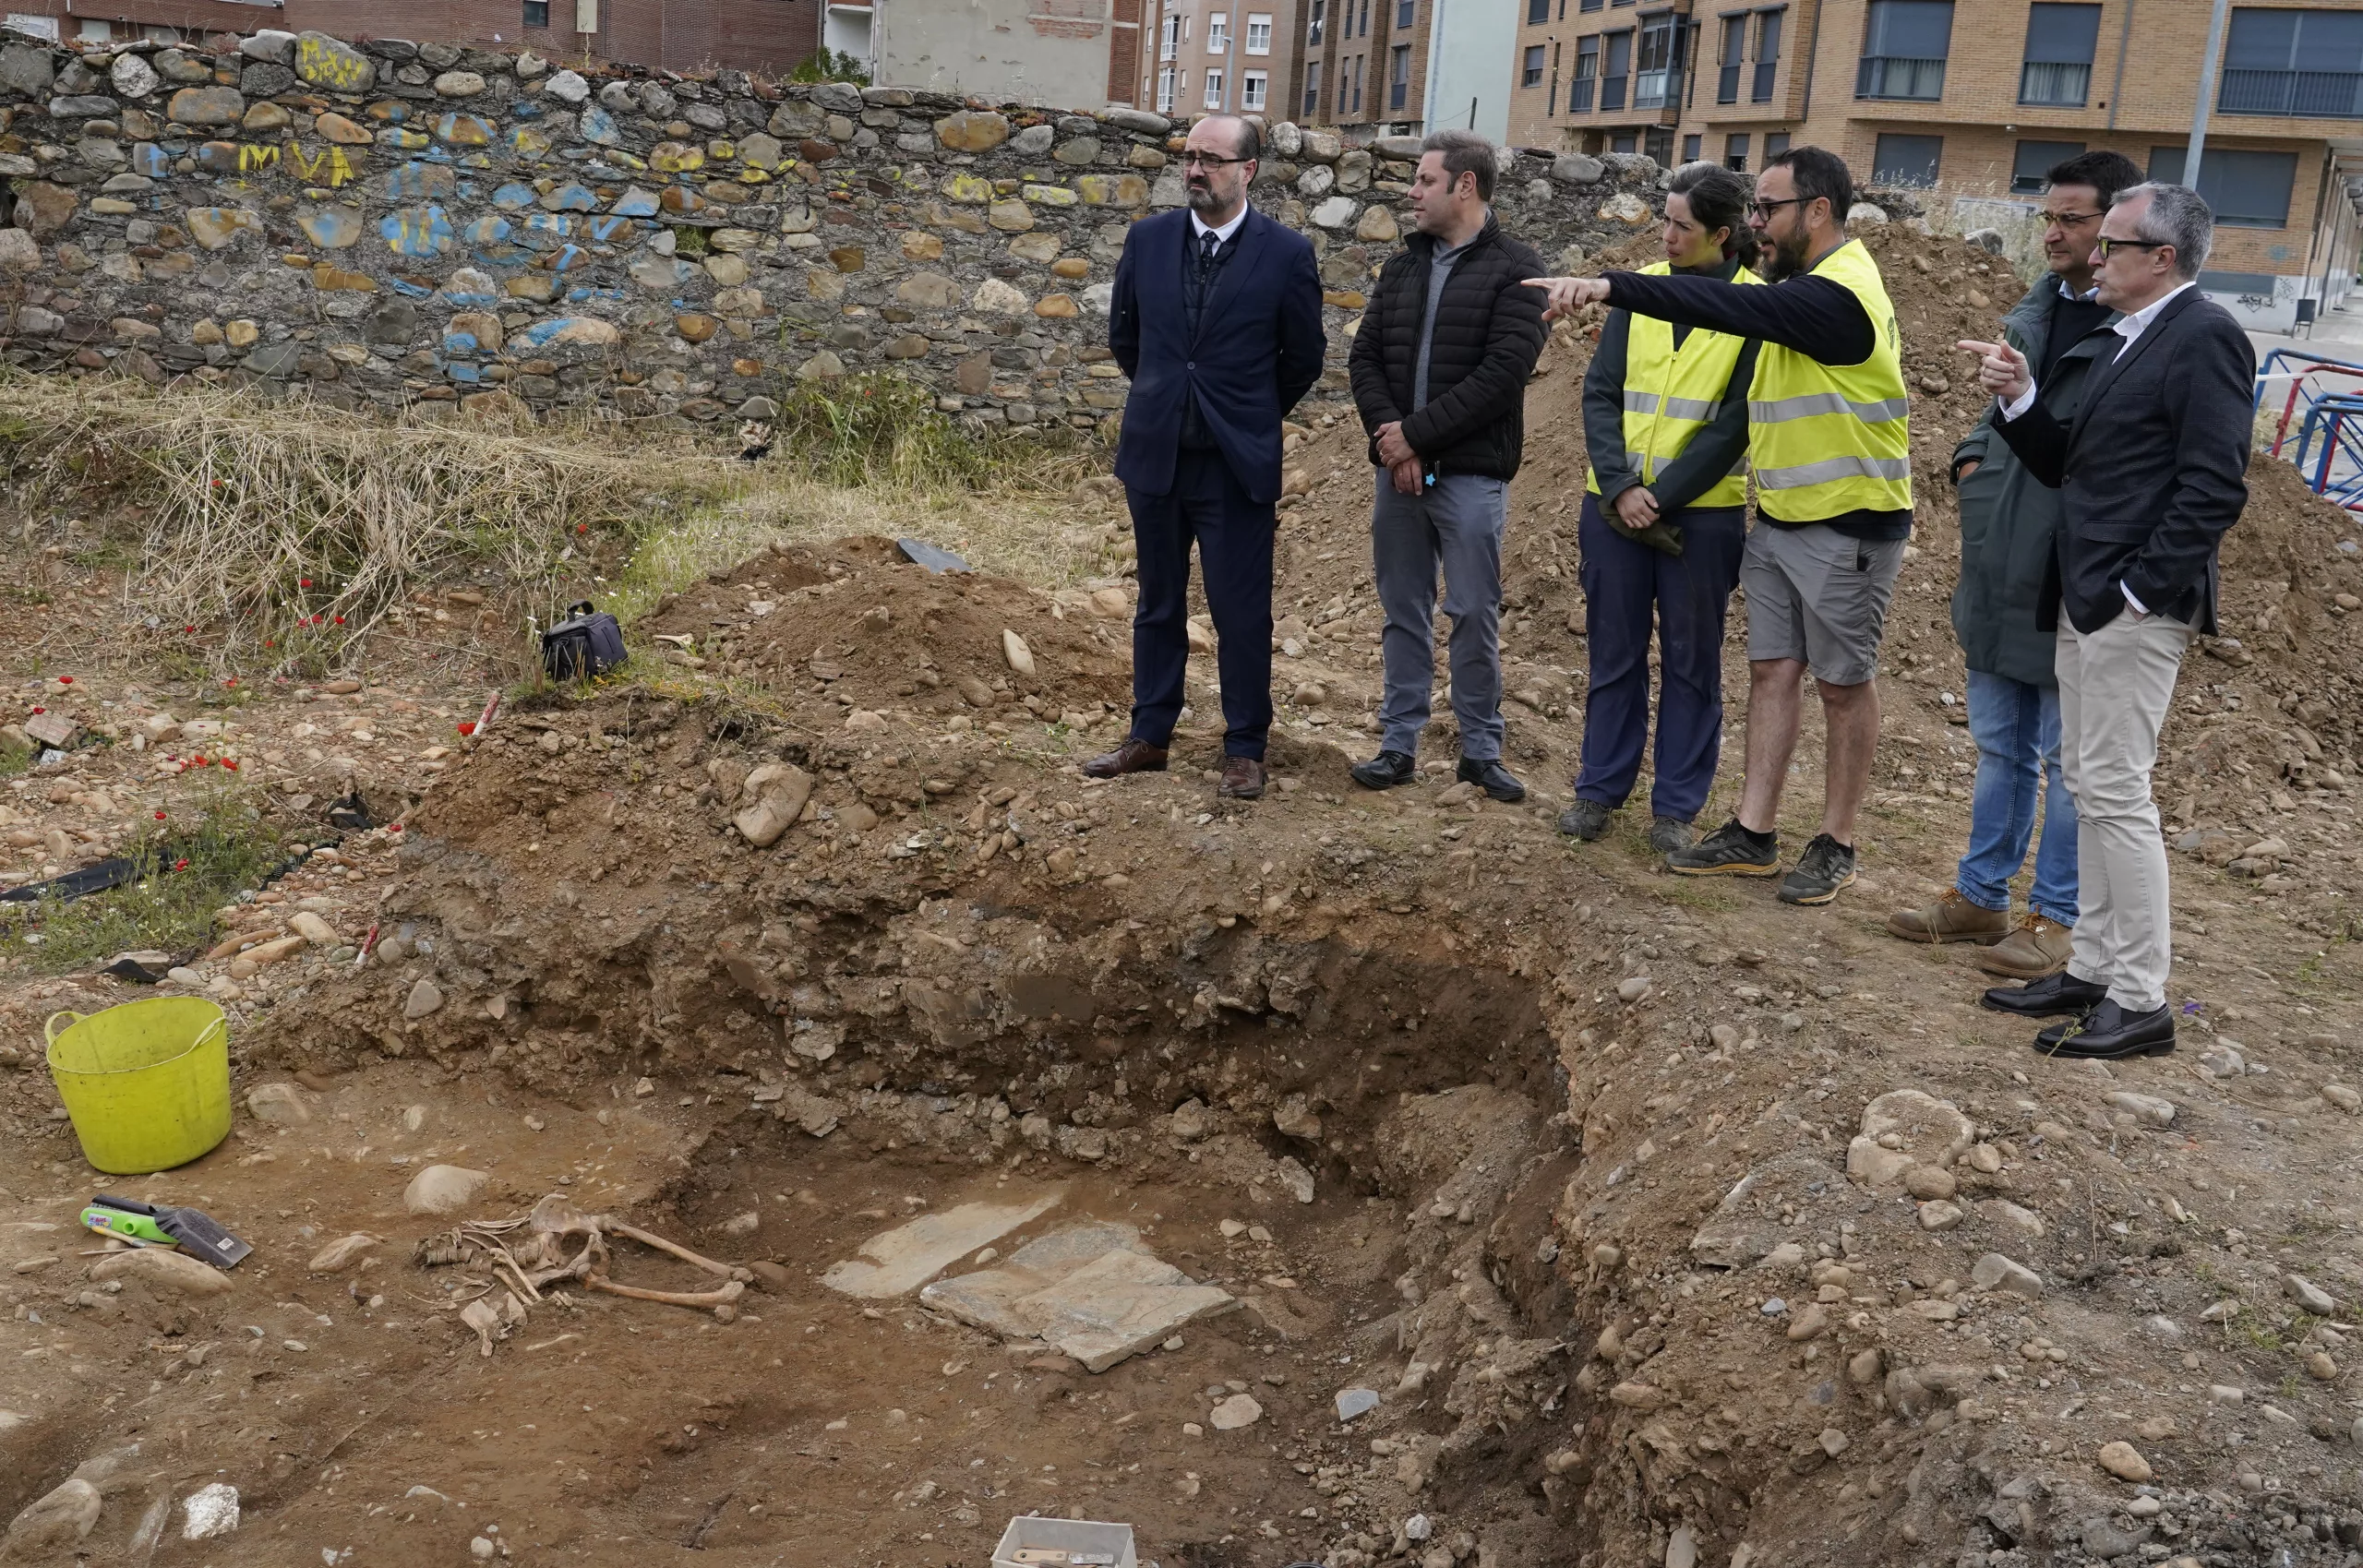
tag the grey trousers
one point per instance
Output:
(1457, 525)
(2114, 684)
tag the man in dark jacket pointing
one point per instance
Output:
(1439, 366)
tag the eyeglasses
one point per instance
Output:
(1208, 161)
(2067, 220)
(2107, 247)
(1766, 209)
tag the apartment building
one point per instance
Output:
(1974, 99)
(1056, 53)
(1384, 67)
(679, 35)
(1221, 56)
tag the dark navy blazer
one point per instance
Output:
(1258, 349)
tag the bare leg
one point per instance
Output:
(1851, 715)
(1775, 701)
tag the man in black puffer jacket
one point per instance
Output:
(1439, 367)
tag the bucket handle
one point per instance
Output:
(49, 1030)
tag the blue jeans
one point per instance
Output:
(2017, 729)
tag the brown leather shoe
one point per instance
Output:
(1135, 756)
(1242, 779)
(1951, 919)
(2038, 947)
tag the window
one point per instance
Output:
(1166, 88)
(1219, 33)
(1906, 159)
(1312, 36)
(1733, 52)
(1360, 60)
(1311, 88)
(1768, 56)
(1659, 82)
(2033, 158)
(1587, 5)
(1404, 10)
(2248, 190)
(1657, 142)
(1259, 35)
(1690, 150)
(1214, 90)
(1398, 76)
(1624, 141)
(96, 32)
(1252, 89)
(1538, 11)
(537, 13)
(1168, 39)
(1735, 151)
(2307, 63)
(2058, 68)
(1587, 75)
(1532, 75)
(1365, 20)
(1905, 44)
(1611, 82)
(1775, 144)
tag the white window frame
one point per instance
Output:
(1254, 89)
(1166, 87)
(1214, 88)
(1218, 32)
(34, 26)
(1259, 33)
(1169, 42)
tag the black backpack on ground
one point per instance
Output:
(587, 643)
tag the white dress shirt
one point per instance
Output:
(2128, 328)
(1199, 231)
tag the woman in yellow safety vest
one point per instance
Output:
(1664, 523)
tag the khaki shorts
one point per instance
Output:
(1819, 596)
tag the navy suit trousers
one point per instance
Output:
(1234, 539)
(1629, 589)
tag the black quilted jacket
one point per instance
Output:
(1489, 333)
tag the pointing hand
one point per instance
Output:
(2001, 370)
(1570, 294)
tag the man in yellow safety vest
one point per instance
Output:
(1830, 442)
(1664, 523)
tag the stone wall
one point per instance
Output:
(391, 224)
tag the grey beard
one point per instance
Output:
(1203, 199)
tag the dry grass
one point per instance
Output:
(284, 531)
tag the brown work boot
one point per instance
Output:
(1135, 756)
(1242, 779)
(1951, 919)
(2036, 947)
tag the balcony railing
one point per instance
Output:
(2306, 95)
(1727, 85)
(1655, 89)
(1895, 75)
(2057, 84)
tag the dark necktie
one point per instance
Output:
(1208, 243)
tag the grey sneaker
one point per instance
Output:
(1586, 820)
(1669, 834)
(1730, 851)
(1822, 872)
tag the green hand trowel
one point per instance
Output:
(157, 1224)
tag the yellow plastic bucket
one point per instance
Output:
(147, 1084)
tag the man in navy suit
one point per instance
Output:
(1216, 318)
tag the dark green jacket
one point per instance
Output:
(2010, 520)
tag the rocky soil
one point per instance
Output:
(1669, 1225)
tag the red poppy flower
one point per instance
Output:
(302, 583)
(41, 710)
(393, 827)
(65, 680)
(217, 485)
(231, 764)
(160, 816)
(188, 628)
(231, 681)
(582, 528)
(181, 864)
(469, 727)
(271, 642)
(340, 621)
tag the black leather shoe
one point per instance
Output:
(1497, 780)
(2108, 1031)
(1385, 771)
(2054, 996)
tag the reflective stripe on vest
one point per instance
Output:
(1671, 394)
(1828, 439)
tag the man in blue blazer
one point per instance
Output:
(1216, 318)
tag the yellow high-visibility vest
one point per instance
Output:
(1831, 438)
(1673, 393)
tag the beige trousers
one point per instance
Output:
(2114, 684)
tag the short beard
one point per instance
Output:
(1786, 260)
(1203, 199)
